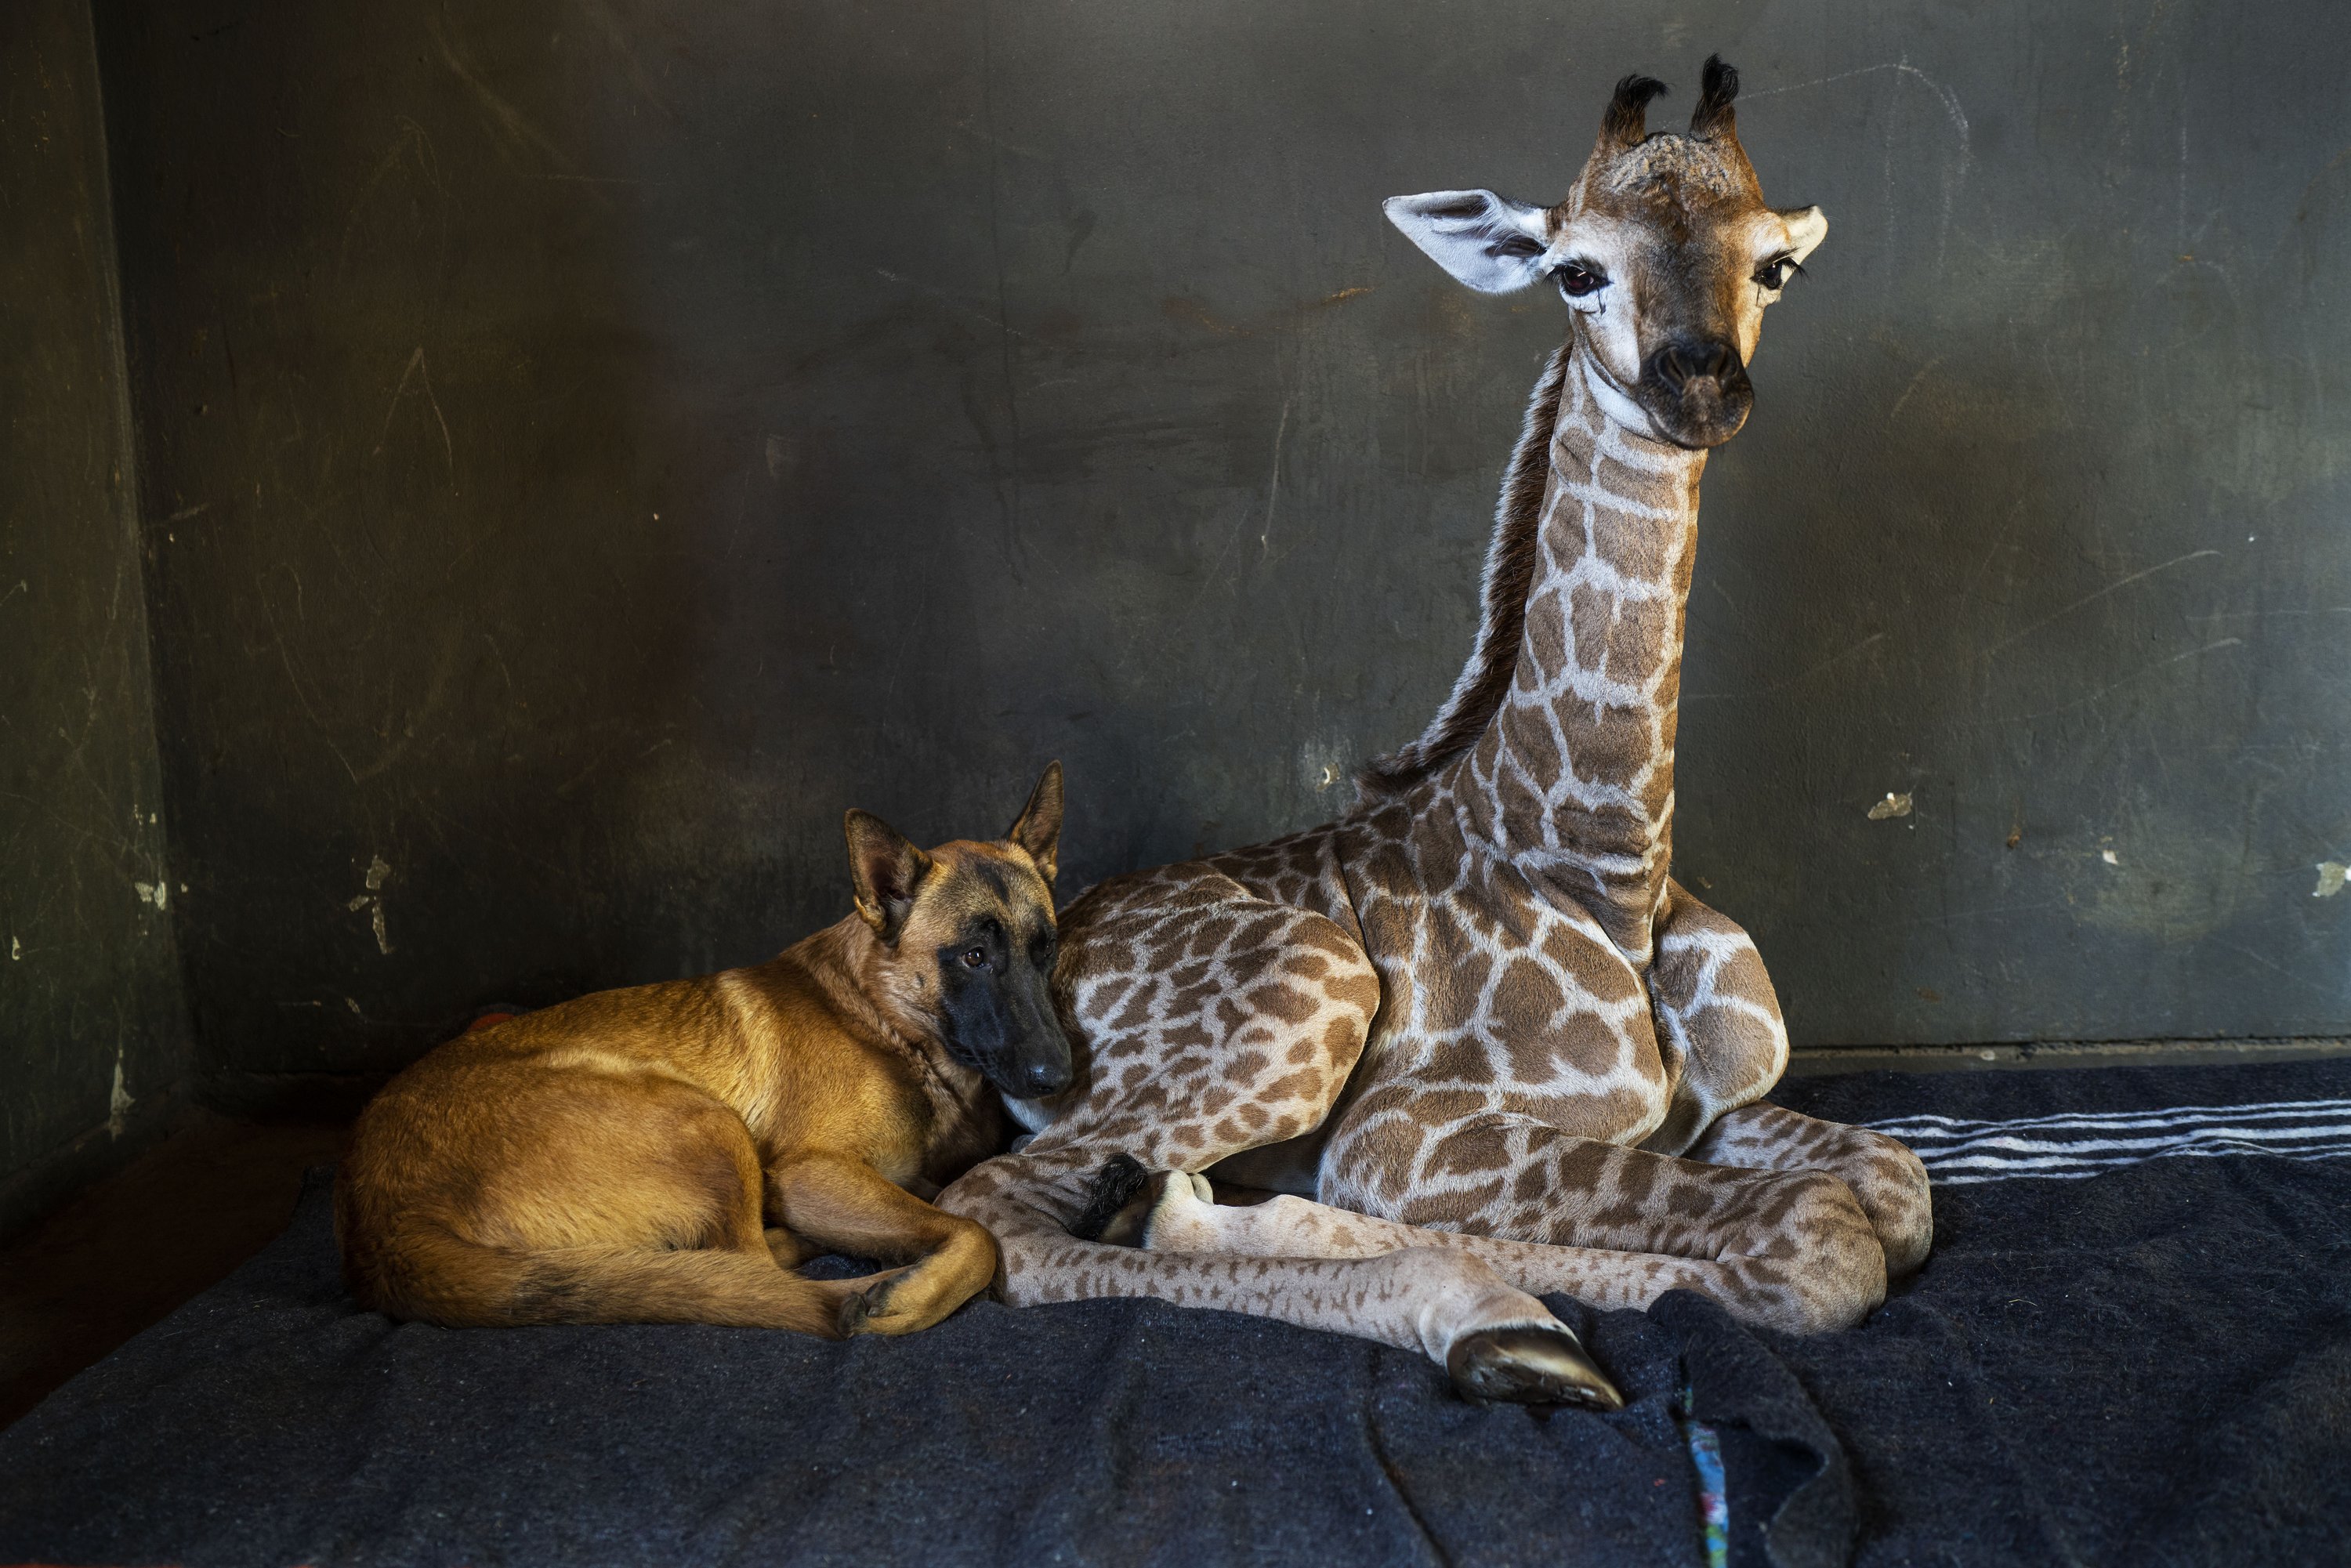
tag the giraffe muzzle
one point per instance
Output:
(1696, 390)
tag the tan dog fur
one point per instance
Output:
(668, 1153)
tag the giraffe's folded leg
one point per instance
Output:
(1886, 1177)
(1532, 1364)
(1611, 1226)
(1499, 1341)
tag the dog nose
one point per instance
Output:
(1041, 1079)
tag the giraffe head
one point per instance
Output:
(1664, 250)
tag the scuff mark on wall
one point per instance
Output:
(2089, 598)
(153, 893)
(521, 135)
(416, 367)
(118, 1102)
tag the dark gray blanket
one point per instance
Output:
(2127, 1359)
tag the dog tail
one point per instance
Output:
(430, 1273)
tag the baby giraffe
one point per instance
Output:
(1476, 1019)
(670, 1153)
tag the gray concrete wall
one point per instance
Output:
(94, 1044)
(590, 444)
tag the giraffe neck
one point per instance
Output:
(1571, 780)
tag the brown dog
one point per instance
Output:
(668, 1154)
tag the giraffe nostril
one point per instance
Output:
(1683, 361)
(1686, 360)
(1696, 389)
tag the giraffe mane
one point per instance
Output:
(1485, 680)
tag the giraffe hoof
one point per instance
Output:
(1530, 1367)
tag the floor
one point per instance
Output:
(125, 1252)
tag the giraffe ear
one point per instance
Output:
(1807, 226)
(1490, 243)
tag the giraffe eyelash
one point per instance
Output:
(1578, 280)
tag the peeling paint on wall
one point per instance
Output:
(377, 871)
(1892, 806)
(80, 792)
(1321, 763)
(119, 1101)
(2330, 879)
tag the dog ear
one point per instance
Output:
(1039, 830)
(884, 870)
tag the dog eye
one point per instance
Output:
(975, 959)
(1576, 281)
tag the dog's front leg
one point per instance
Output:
(840, 1202)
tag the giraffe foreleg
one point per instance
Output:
(1497, 1342)
(1717, 1018)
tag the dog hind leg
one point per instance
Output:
(675, 1234)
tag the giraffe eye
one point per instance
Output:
(1774, 274)
(1576, 279)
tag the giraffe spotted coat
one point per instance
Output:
(1473, 1030)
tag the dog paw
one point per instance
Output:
(1529, 1365)
(866, 1310)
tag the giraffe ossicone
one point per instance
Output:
(1473, 1031)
